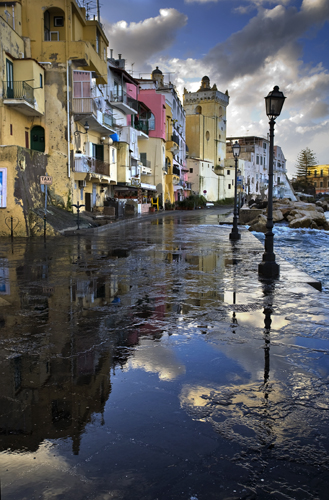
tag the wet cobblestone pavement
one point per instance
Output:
(148, 361)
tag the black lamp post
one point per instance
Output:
(86, 127)
(268, 268)
(234, 234)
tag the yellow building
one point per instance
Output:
(206, 139)
(319, 176)
(51, 59)
(172, 177)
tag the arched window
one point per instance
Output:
(198, 110)
(168, 165)
(38, 138)
(54, 29)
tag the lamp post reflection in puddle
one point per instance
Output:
(234, 322)
(268, 310)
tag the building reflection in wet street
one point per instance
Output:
(149, 362)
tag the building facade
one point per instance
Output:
(52, 60)
(319, 176)
(206, 139)
(254, 165)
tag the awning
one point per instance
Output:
(149, 187)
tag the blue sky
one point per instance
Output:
(245, 46)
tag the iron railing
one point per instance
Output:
(124, 98)
(176, 170)
(18, 90)
(87, 165)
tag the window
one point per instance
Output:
(81, 84)
(58, 21)
(229, 186)
(191, 170)
(315, 173)
(98, 45)
(46, 26)
(10, 79)
(314, 184)
(3, 187)
(228, 172)
(207, 135)
(11, 129)
(261, 160)
(27, 142)
(321, 184)
(321, 173)
(40, 81)
(264, 145)
(257, 160)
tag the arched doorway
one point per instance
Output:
(38, 138)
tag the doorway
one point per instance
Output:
(38, 138)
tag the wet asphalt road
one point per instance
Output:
(148, 361)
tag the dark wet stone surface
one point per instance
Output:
(149, 362)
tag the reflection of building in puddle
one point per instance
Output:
(51, 400)
(4, 277)
(192, 280)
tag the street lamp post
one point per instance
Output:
(268, 268)
(234, 234)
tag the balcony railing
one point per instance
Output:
(124, 98)
(84, 106)
(85, 164)
(18, 90)
(176, 170)
(142, 125)
(175, 138)
(109, 120)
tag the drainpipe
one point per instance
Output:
(68, 119)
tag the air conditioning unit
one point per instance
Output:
(82, 184)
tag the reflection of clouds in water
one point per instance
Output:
(45, 467)
(157, 358)
(258, 416)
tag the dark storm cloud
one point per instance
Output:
(246, 51)
(140, 41)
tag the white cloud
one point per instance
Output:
(266, 52)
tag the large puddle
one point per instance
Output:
(151, 363)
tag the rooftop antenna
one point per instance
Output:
(98, 11)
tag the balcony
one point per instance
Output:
(83, 106)
(141, 126)
(145, 168)
(20, 95)
(109, 121)
(124, 102)
(86, 108)
(176, 170)
(85, 164)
